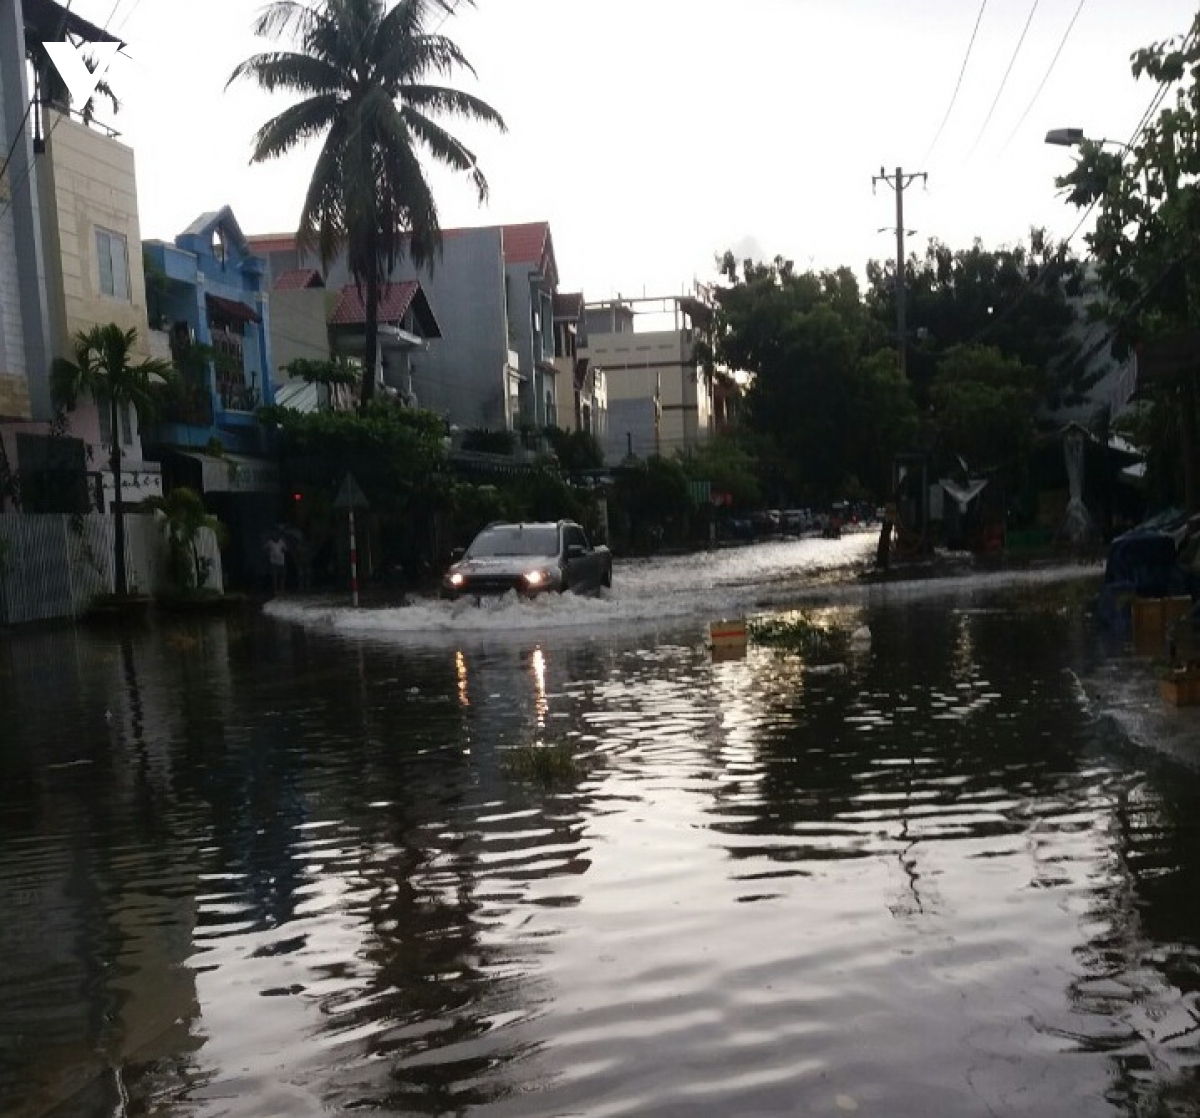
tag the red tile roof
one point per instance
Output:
(394, 300)
(525, 244)
(272, 242)
(298, 279)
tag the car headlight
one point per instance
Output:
(535, 578)
(455, 579)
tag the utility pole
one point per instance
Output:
(899, 182)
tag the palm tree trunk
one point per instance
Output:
(120, 583)
(370, 341)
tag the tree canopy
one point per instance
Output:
(1145, 242)
(363, 72)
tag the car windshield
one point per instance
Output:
(515, 539)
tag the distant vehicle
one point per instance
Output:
(797, 520)
(534, 558)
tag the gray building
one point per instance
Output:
(491, 291)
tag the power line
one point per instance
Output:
(1045, 77)
(958, 84)
(1004, 80)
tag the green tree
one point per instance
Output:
(1145, 238)
(985, 405)
(363, 72)
(804, 339)
(728, 465)
(102, 368)
(1016, 299)
(185, 518)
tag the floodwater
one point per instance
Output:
(552, 858)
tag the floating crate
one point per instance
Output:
(727, 639)
(1181, 688)
(1152, 620)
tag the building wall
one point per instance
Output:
(638, 366)
(24, 326)
(298, 326)
(91, 184)
(461, 375)
(87, 182)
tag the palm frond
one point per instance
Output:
(274, 70)
(295, 125)
(453, 102)
(446, 149)
(282, 17)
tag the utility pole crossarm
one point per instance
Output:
(900, 182)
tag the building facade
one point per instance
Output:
(210, 312)
(660, 395)
(490, 293)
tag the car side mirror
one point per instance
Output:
(457, 553)
(575, 550)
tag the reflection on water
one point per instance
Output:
(247, 869)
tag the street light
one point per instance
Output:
(1073, 137)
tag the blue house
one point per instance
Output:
(206, 304)
(207, 289)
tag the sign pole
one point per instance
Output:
(353, 560)
(350, 497)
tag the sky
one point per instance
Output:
(654, 134)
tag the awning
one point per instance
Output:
(235, 473)
(231, 309)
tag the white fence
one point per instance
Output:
(53, 566)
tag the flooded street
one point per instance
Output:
(549, 858)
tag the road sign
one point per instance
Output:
(349, 495)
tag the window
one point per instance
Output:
(113, 258)
(104, 413)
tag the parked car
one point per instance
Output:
(532, 559)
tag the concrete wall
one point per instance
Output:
(25, 348)
(636, 365)
(88, 182)
(461, 375)
(298, 326)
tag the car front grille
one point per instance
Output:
(492, 584)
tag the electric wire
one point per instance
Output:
(957, 85)
(1046, 269)
(1045, 77)
(1004, 80)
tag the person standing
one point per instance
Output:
(277, 558)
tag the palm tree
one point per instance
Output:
(363, 71)
(186, 517)
(102, 367)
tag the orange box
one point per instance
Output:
(1152, 620)
(1181, 688)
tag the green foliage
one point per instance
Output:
(546, 766)
(392, 452)
(474, 506)
(481, 440)
(728, 465)
(649, 503)
(546, 495)
(816, 404)
(184, 519)
(799, 633)
(1015, 299)
(576, 451)
(336, 371)
(985, 404)
(102, 367)
(366, 76)
(1148, 215)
